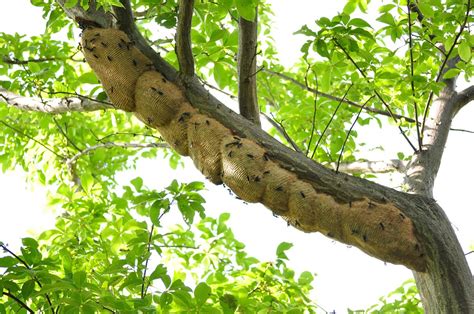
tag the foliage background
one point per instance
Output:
(324, 256)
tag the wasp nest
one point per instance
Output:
(133, 84)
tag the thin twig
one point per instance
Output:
(315, 101)
(349, 132)
(410, 44)
(31, 138)
(281, 129)
(89, 149)
(65, 135)
(17, 300)
(32, 275)
(127, 133)
(330, 120)
(461, 130)
(445, 62)
(150, 236)
(216, 88)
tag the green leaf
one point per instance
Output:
(220, 75)
(202, 293)
(70, 3)
(322, 48)
(387, 18)
(194, 186)
(350, 7)
(88, 78)
(464, 50)
(305, 278)
(426, 9)
(451, 73)
(137, 183)
(87, 181)
(79, 278)
(7, 261)
(359, 23)
(27, 288)
(246, 9)
(282, 248)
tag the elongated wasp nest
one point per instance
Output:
(133, 84)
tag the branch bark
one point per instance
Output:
(183, 38)
(247, 69)
(52, 105)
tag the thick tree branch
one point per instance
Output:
(90, 17)
(328, 96)
(463, 98)
(421, 175)
(126, 23)
(247, 69)
(52, 105)
(183, 38)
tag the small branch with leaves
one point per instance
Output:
(71, 161)
(22, 261)
(331, 97)
(375, 92)
(76, 102)
(445, 63)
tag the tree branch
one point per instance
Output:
(17, 300)
(446, 63)
(357, 167)
(150, 237)
(279, 127)
(463, 98)
(328, 96)
(247, 69)
(8, 60)
(376, 93)
(126, 23)
(71, 161)
(53, 105)
(349, 133)
(412, 82)
(329, 122)
(18, 258)
(183, 37)
(92, 16)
